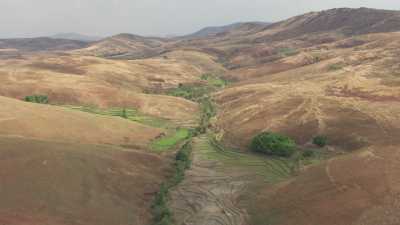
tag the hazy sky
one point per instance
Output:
(24, 18)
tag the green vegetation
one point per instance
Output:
(130, 114)
(273, 144)
(196, 92)
(124, 114)
(336, 66)
(320, 141)
(170, 141)
(161, 213)
(207, 112)
(312, 156)
(285, 52)
(271, 169)
(190, 92)
(308, 153)
(214, 80)
(41, 99)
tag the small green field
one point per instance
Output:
(130, 114)
(170, 141)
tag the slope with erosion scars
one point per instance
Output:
(351, 97)
(353, 105)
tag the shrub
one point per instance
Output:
(273, 144)
(320, 141)
(42, 99)
(124, 114)
(336, 66)
(308, 153)
(287, 51)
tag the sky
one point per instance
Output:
(32, 18)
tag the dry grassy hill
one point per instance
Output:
(44, 122)
(332, 73)
(350, 96)
(85, 80)
(346, 88)
(60, 166)
(127, 46)
(41, 44)
(56, 183)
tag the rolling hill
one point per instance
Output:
(219, 30)
(41, 44)
(126, 46)
(76, 36)
(333, 73)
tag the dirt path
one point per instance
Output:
(208, 195)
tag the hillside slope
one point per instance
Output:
(127, 46)
(44, 122)
(81, 80)
(56, 183)
(41, 44)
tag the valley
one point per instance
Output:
(159, 131)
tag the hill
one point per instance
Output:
(41, 44)
(211, 31)
(81, 80)
(76, 36)
(332, 73)
(46, 182)
(346, 88)
(51, 123)
(252, 44)
(61, 166)
(127, 46)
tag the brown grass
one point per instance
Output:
(61, 183)
(45, 122)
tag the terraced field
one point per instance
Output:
(127, 113)
(218, 179)
(175, 131)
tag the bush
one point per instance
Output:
(124, 114)
(308, 153)
(273, 144)
(336, 66)
(320, 141)
(42, 99)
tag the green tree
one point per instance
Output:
(124, 114)
(273, 144)
(320, 140)
(42, 99)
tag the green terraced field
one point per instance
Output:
(130, 114)
(170, 141)
(272, 169)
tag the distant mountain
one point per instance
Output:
(210, 31)
(128, 46)
(41, 44)
(76, 36)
